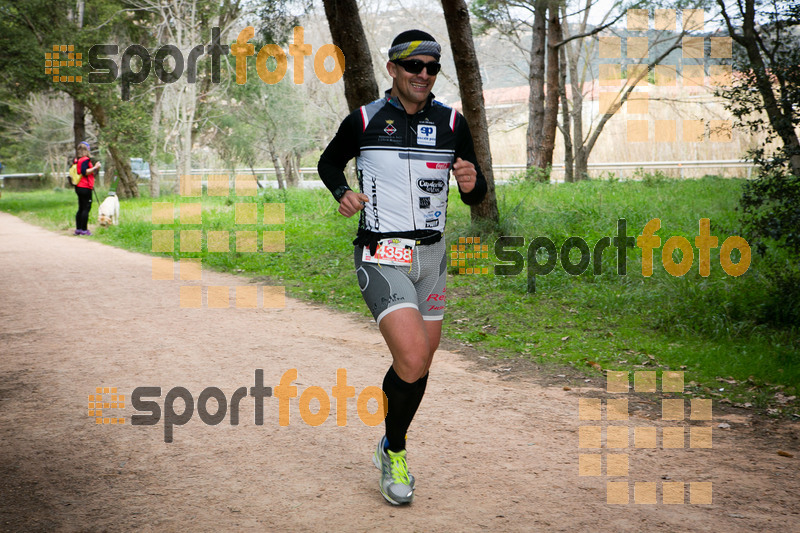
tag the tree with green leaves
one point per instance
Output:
(459, 29)
(539, 18)
(263, 121)
(768, 78)
(259, 120)
(29, 30)
(764, 97)
(347, 33)
(561, 54)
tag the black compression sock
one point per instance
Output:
(422, 384)
(403, 399)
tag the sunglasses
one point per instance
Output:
(415, 66)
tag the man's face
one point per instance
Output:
(412, 88)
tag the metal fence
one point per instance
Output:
(626, 170)
(22, 182)
(502, 173)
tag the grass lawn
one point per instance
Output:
(714, 327)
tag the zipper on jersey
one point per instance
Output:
(410, 135)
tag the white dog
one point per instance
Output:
(108, 213)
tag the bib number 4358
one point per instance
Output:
(391, 252)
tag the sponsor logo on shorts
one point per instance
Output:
(393, 298)
(437, 166)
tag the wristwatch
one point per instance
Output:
(340, 191)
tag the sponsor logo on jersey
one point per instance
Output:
(426, 135)
(432, 223)
(390, 129)
(424, 202)
(375, 203)
(432, 186)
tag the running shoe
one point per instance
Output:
(396, 484)
(87, 232)
(78, 232)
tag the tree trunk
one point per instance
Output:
(581, 163)
(110, 171)
(78, 109)
(273, 154)
(347, 33)
(536, 83)
(579, 146)
(569, 174)
(288, 167)
(456, 15)
(544, 158)
(186, 34)
(296, 161)
(155, 128)
(78, 121)
(188, 107)
(127, 187)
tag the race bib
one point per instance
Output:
(391, 251)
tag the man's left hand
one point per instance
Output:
(465, 175)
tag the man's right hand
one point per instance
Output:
(352, 202)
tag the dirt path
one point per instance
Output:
(489, 454)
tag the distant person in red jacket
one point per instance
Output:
(84, 188)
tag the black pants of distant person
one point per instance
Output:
(84, 205)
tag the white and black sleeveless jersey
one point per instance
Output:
(403, 164)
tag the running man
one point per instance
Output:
(406, 144)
